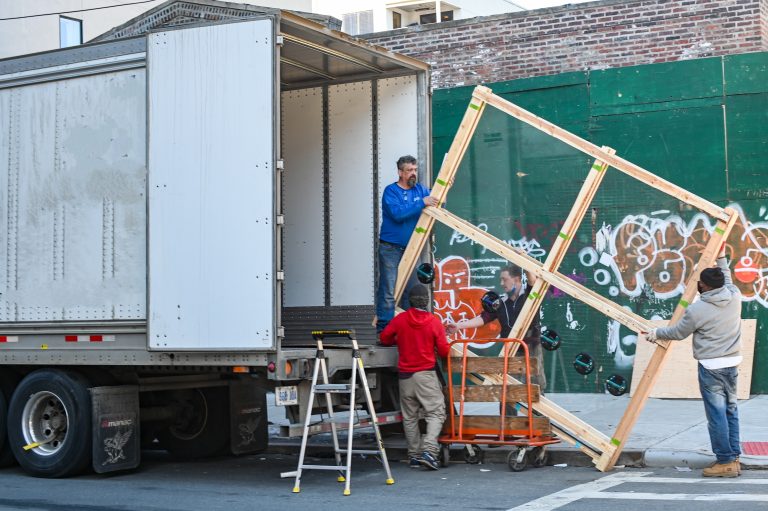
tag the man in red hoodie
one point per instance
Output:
(417, 334)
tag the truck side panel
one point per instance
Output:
(303, 198)
(398, 127)
(72, 186)
(351, 205)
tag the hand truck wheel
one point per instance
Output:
(473, 454)
(539, 457)
(517, 460)
(445, 455)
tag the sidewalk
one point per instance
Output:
(669, 432)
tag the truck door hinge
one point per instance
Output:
(279, 40)
(280, 164)
(281, 275)
(280, 219)
(281, 331)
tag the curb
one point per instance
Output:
(557, 455)
(321, 447)
(664, 458)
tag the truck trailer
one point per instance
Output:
(179, 208)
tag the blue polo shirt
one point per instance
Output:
(400, 211)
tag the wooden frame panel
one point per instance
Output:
(639, 173)
(603, 450)
(643, 390)
(528, 263)
(559, 249)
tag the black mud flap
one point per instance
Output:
(248, 412)
(116, 444)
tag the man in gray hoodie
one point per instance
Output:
(715, 322)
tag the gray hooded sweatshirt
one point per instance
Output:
(714, 321)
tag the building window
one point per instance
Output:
(70, 32)
(432, 17)
(397, 20)
(355, 23)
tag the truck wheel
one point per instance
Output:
(50, 415)
(201, 429)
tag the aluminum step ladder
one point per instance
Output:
(327, 388)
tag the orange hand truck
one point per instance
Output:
(528, 433)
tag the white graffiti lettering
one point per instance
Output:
(656, 255)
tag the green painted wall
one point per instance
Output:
(701, 124)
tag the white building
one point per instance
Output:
(31, 27)
(362, 17)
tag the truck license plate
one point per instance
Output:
(286, 395)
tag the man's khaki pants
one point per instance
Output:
(422, 391)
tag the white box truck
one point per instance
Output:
(178, 210)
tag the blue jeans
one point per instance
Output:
(389, 260)
(718, 390)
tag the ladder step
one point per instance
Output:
(324, 467)
(339, 420)
(359, 451)
(333, 387)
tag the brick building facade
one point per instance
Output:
(595, 35)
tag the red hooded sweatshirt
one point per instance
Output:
(416, 333)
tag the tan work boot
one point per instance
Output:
(730, 469)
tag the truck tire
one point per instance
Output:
(51, 412)
(201, 429)
(8, 381)
(4, 451)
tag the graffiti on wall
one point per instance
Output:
(656, 253)
(648, 255)
(528, 242)
(455, 298)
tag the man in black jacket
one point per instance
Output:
(511, 305)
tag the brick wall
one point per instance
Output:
(764, 23)
(595, 35)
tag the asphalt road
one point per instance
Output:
(254, 483)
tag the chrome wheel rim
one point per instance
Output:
(45, 422)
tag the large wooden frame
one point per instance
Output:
(603, 450)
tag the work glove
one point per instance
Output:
(651, 336)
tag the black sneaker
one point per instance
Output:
(429, 461)
(414, 462)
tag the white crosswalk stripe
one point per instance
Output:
(596, 490)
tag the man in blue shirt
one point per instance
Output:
(401, 207)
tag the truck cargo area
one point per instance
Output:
(133, 210)
(182, 205)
